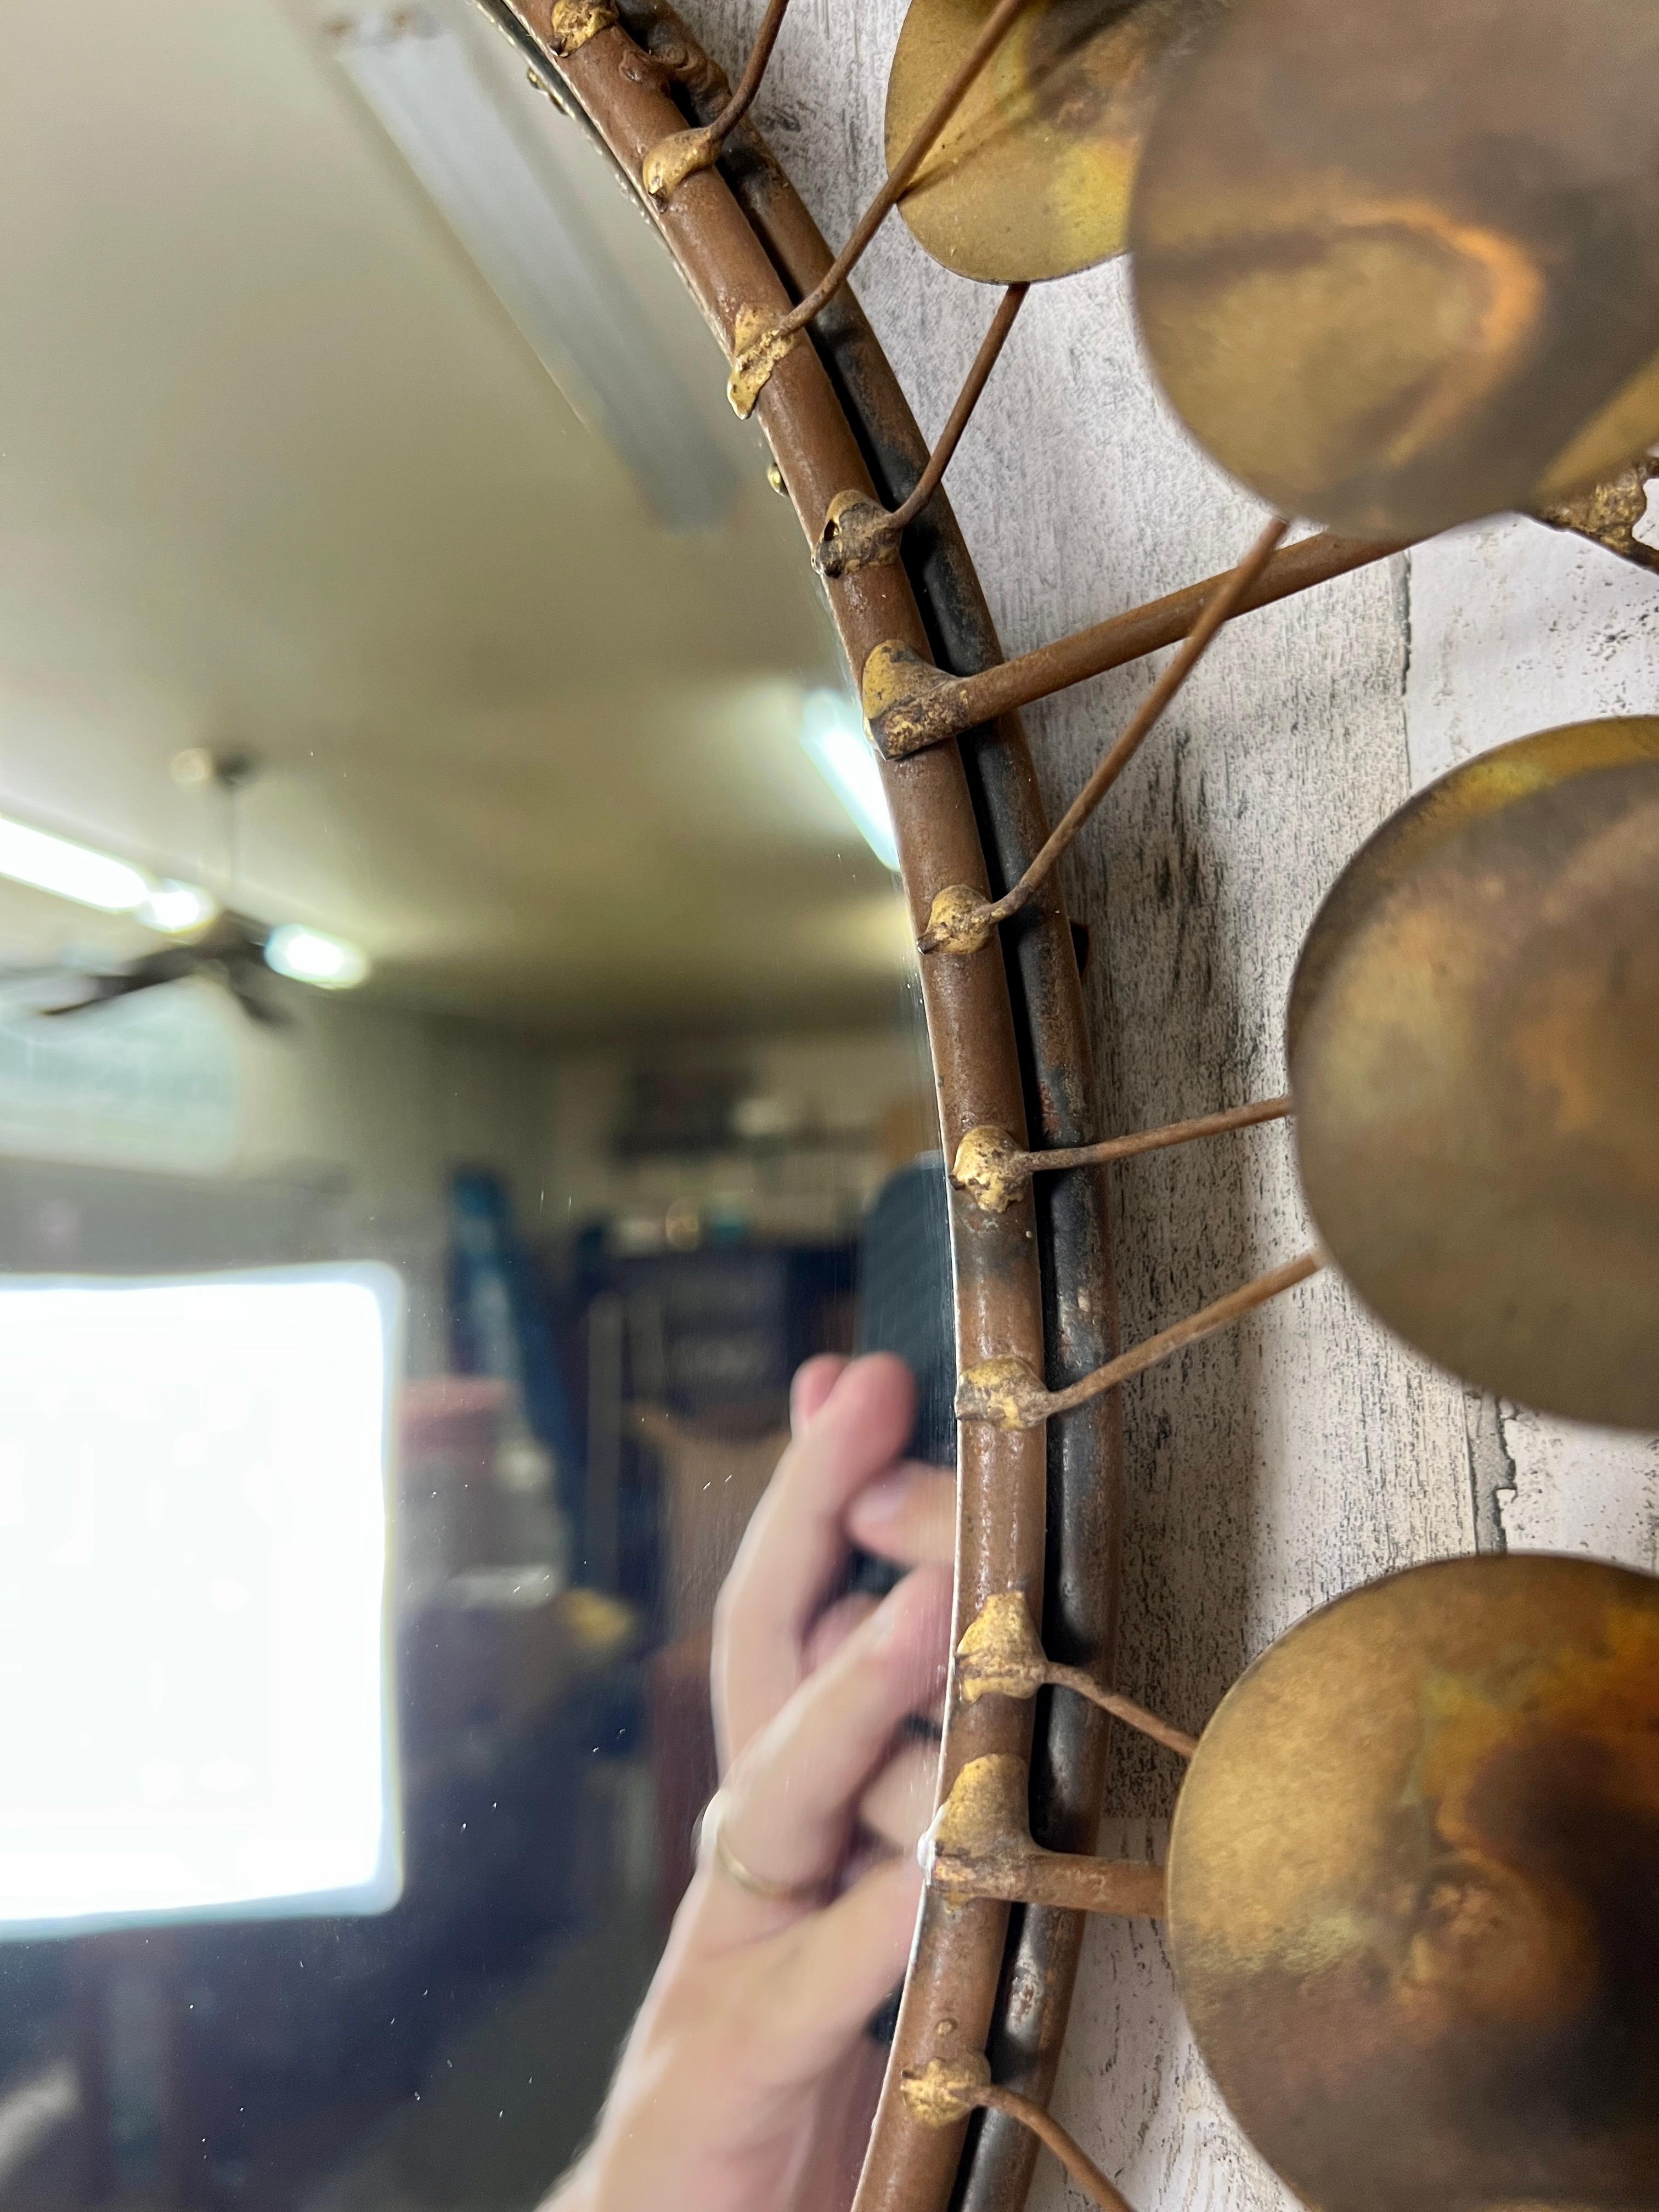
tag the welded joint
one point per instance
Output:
(960, 920)
(758, 345)
(933, 716)
(943, 2092)
(895, 681)
(980, 1846)
(1007, 1393)
(857, 533)
(572, 23)
(982, 1828)
(676, 157)
(1000, 1654)
(1607, 512)
(992, 1166)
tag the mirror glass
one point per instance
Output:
(459, 1051)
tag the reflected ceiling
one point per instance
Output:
(279, 471)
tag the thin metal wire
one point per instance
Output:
(1205, 1322)
(1156, 1140)
(1008, 1395)
(899, 176)
(1121, 1708)
(1220, 605)
(864, 533)
(684, 152)
(743, 96)
(967, 399)
(1048, 2132)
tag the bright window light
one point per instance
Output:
(74, 871)
(307, 957)
(174, 907)
(193, 1570)
(832, 731)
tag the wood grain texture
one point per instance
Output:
(1307, 1451)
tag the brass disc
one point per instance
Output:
(1397, 264)
(1031, 179)
(1472, 1041)
(1413, 1893)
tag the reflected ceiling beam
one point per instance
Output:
(522, 222)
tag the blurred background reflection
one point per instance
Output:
(434, 833)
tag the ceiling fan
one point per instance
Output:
(211, 940)
(231, 951)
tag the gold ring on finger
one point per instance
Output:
(757, 1885)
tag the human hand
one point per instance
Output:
(748, 2083)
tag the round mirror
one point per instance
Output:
(460, 1052)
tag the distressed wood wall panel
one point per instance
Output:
(1278, 1465)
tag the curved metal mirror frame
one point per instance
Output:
(1037, 1512)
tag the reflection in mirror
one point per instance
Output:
(458, 1052)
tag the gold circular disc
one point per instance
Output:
(1031, 179)
(1398, 267)
(1473, 1040)
(1413, 1893)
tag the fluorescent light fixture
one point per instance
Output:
(174, 907)
(832, 731)
(74, 871)
(193, 1640)
(522, 220)
(308, 956)
(49, 863)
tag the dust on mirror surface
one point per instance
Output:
(458, 1046)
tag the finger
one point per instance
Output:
(909, 1516)
(832, 1629)
(848, 1958)
(814, 1379)
(786, 1806)
(796, 1543)
(899, 1804)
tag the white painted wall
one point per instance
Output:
(1276, 1465)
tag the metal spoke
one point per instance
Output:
(673, 160)
(958, 927)
(990, 1165)
(859, 533)
(763, 346)
(1010, 1394)
(1001, 1655)
(930, 708)
(942, 2094)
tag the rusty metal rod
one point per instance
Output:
(898, 177)
(1008, 1393)
(743, 96)
(1121, 1708)
(1155, 1141)
(1205, 1322)
(1132, 1888)
(1048, 2132)
(967, 399)
(965, 701)
(1220, 604)
(685, 151)
(858, 532)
